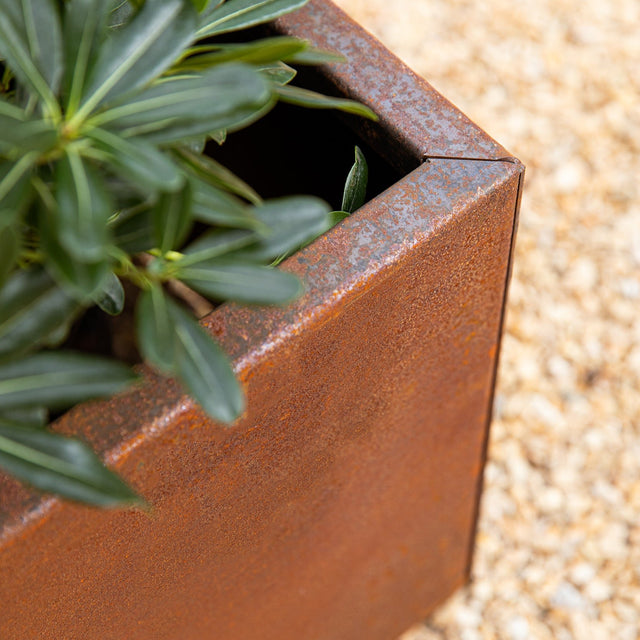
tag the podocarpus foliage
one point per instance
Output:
(105, 108)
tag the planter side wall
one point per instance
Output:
(343, 505)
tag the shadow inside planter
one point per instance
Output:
(294, 150)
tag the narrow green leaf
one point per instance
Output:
(155, 330)
(134, 158)
(203, 368)
(84, 30)
(32, 308)
(111, 298)
(313, 56)
(338, 216)
(12, 110)
(172, 340)
(21, 133)
(134, 233)
(122, 13)
(279, 73)
(57, 336)
(219, 136)
(84, 208)
(200, 5)
(353, 198)
(333, 218)
(217, 207)
(214, 244)
(59, 379)
(58, 464)
(239, 119)
(172, 218)
(139, 51)
(258, 52)
(192, 105)
(10, 239)
(217, 174)
(15, 190)
(240, 14)
(355, 188)
(82, 280)
(244, 283)
(34, 417)
(31, 43)
(196, 145)
(291, 222)
(313, 100)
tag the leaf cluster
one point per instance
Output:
(105, 109)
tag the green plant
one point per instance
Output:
(105, 109)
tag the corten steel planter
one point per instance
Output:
(343, 504)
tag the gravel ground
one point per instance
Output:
(557, 82)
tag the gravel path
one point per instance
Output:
(557, 82)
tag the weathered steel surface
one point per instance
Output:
(343, 505)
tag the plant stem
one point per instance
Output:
(199, 305)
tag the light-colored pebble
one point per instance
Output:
(518, 628)
(468, 618)
(598, 590)
(566, 596)
(582, 573)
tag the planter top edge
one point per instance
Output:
(413, 115)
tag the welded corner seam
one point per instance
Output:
(510, 159)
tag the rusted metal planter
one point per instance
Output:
(343, 505)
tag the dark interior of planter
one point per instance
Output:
(300, 151)
(296, 150)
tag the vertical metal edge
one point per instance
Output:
(489, 420)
